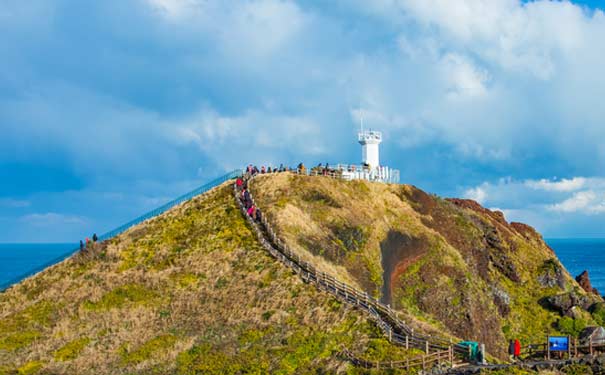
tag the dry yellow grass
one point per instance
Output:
(188, 292)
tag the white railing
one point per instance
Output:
(362, 172)
(354, 172)
(370, 135)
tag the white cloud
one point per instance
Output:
(572, 184)
(477, 194)
(463, 78)
(587, 202)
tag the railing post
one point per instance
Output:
(427, 347)
(407, 342)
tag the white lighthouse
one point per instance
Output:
(369, 140)
(370, 169)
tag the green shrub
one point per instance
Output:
(598, 313)
(570, 326)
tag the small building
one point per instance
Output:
(595, 334)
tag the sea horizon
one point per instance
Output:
(20, 259)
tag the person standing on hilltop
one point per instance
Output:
(94, 238)
(81, 245)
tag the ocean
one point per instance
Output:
(17, 260)
(577, 255)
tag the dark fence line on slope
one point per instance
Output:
(106, 236)
(394, 328)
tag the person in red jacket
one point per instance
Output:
(517, 349)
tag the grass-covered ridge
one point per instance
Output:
(448, 264)
(189, 292)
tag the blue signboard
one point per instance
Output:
(558, 343)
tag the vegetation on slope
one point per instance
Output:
(189, 292)
(449, 264)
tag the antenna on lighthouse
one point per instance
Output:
(361, 119)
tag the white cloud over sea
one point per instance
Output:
(561, 204)
(147, 97)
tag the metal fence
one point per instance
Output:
(106, 236)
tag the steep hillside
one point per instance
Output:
(450, 264)
(189, 292)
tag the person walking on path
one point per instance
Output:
(259, 216)
(81, 245)
(94, 238)
(239, 182)
(511, 349)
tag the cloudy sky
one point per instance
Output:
(110, 108)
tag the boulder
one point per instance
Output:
(584, 282)
(564, 303)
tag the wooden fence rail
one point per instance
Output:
(392, 326)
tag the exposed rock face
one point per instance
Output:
(584, 282)
(551, 274)
(565, 303)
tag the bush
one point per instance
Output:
(598, 313)
(570, 326)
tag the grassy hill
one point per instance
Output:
(189, 292)
(192, 291)
(451, 264)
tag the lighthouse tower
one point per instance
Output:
(369, 140)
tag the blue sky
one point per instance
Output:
(108, 109)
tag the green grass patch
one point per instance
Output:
(147, 350)
(130, 294)
(30, 368)
(71, 350)
(21, 329)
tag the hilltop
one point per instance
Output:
(192, 291)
